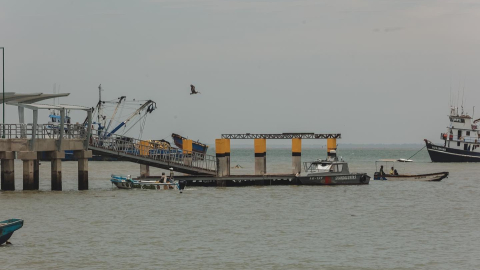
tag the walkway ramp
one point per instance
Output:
(153, 154)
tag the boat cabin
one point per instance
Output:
(462, 133)
(326, 166)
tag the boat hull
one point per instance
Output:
(346, 179)
(444, 154)
(8, 227)
(417, 177)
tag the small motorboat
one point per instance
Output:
(395, 176)
(331, 172)
(7, 227)
(126, 182)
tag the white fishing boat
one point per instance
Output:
(394, 175)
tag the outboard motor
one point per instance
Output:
(181, 185)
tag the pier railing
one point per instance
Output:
(43, 131)
(153, 151)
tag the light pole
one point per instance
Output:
(3, 97)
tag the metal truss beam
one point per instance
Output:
(282, 136)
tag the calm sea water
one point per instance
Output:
(384, 225)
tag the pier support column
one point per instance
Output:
(56, 169)
(83, 156)
(36, 171)
(227, 155)
(29, 181)
(8, 170)
(296, 155)
(144, 171)
(260, 156)
(187, 147)
(331, 148)
(221, 161)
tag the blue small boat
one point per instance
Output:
(7, 227)
(196, 146)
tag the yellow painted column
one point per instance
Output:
(296, 155)
(221, 161)
(332, 148)
(187, 147)
(260, 146)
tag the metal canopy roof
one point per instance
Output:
(48, 107)
(12, 97)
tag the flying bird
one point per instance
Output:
(192, 88)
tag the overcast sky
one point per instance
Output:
(376, 71)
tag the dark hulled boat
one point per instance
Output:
(331, 172)
(460, 142)
(196, 146)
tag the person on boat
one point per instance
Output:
(395, 172)
(164, 178)
(381, 172)
(392, 171)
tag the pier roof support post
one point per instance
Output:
(34, 129)
(221, 161)
(8, 170)
(21, 119)
(83, 156)
(56, 169)
(28, 158)
(260, 156)
(62, 129)
(187, 148)
(296, 155)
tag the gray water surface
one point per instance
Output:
(384, 225)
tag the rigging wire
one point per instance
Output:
(417, 152)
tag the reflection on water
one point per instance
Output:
(385, 225)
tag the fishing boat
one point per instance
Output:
(197, 146)
(126, 182)
(395, 176)
(331, 172)
(461, 142)
(8, 227)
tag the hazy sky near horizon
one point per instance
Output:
(375, 71)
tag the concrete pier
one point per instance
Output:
(8, 170)
(28, 158)
(221, 160)
(83, 156)
(56, 169)
(187, 147)
(296, 155)
(144, 170)
(260, 156)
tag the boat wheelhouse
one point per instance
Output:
(330, 172)
(461, 141)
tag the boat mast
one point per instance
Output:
(99, 103)
(120, 99)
